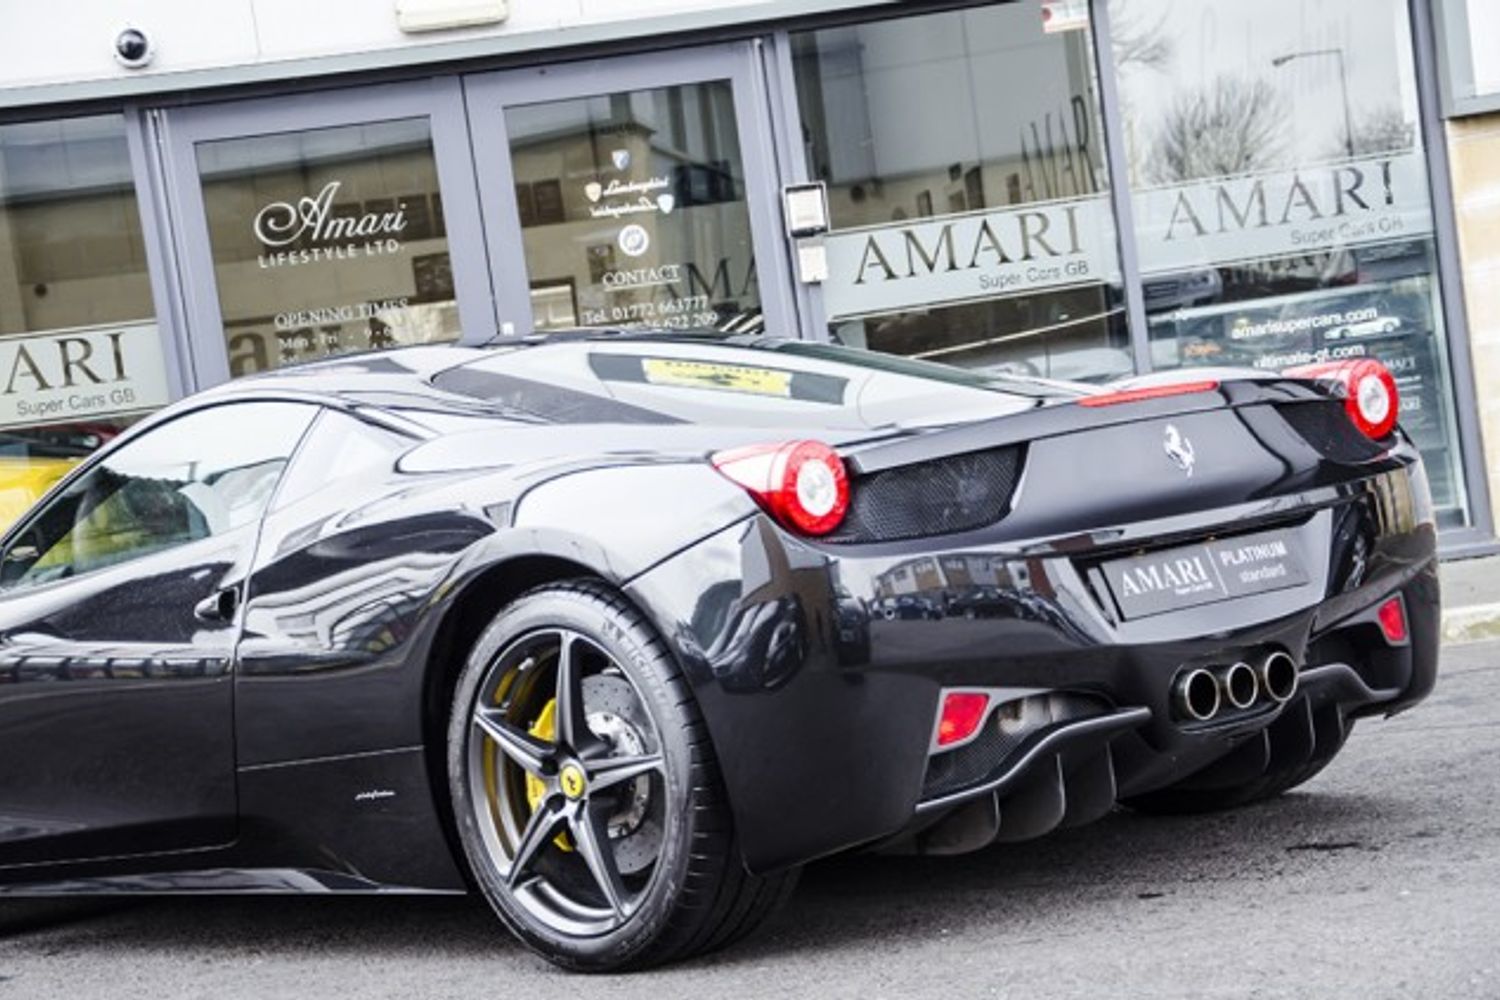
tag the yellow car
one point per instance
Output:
(24, 480)
(31, 460)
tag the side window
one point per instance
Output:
(200, 475)
(340, 448)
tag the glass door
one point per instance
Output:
(632, 192)
(327, 224)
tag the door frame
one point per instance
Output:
(439, 100)
(487, 95)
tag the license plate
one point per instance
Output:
(1204, 573)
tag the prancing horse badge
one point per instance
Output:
(1179, 449)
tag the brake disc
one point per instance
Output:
(615, 714)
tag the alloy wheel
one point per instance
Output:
(567, 781)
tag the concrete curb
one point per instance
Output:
(1471, 599)
(1474, 623)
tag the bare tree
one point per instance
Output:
(1384, 130)
(1136, 42)
(1231, 126)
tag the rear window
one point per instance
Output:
(712, 375)
(767, 383)
(550, 402)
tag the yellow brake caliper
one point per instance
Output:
(544, 728)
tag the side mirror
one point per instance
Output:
(17, 559)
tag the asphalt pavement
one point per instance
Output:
(1380, 878)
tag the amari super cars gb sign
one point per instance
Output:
(81, 375)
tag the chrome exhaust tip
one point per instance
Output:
(1279, 676)
(1195, 694)
(1239, 685)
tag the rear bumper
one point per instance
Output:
(821, 691)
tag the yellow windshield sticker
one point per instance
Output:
(709, 375)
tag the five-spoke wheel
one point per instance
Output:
(567, 762)
(586, 797)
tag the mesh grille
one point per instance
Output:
(1326, 427)
(986, 756)
(941, 497)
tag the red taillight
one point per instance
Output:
(963, 711)
(1148, 392)
(1368, 389)
(803, 484)
(1392, 615)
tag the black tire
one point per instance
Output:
(1176, 800)
(695, 895)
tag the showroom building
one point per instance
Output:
(1072, 188)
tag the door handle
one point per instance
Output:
(218, 607)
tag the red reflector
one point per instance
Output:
(1150, 392)
(962, 714)
(1393, 620)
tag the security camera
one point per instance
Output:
(133, 48)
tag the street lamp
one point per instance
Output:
(1337, 53)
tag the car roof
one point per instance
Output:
(404, 368)
(626, 377)
(411, 369)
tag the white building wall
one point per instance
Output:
(72, 41)
(1484, 28)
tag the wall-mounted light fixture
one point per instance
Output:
(439, 15)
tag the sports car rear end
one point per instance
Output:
(1182, 590)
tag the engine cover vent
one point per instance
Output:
(941, 497)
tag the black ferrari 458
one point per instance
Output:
(619, 630)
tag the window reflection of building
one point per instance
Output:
(360, 611)
(1283, 214)
(71, 250)
(970, 585)
(72, 261)
(665, 163)
(374, 275)
(952, 571)
(868, 96)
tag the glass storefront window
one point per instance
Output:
(633, 211)
(968, 188)
(1281, 200)
(80, 353)
(327, 242)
